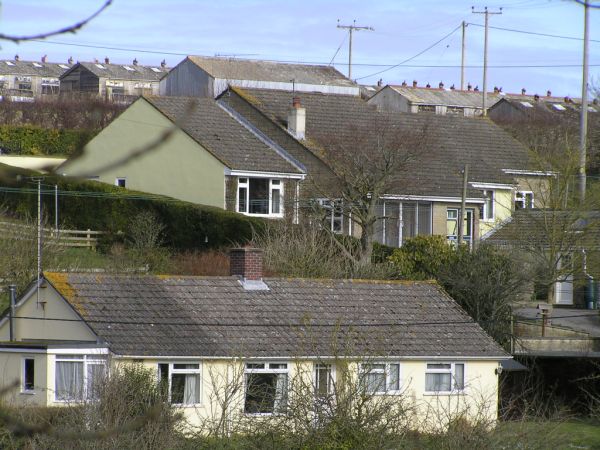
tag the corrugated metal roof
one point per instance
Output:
(447, 97)
(245, 69)
(124, 71)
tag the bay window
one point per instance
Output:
(78, 377)
(260, 196)
(181, 382)
(444, 377)
(266, 388)
(398, 221)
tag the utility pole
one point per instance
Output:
(351, 29)
(39, 236)
(581, 174)
(487, 13)
(56, 210)
(462, 57)
(463, 202)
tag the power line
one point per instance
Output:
(413, 57)
(557, 36)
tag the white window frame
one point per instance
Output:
(363, 371)
(86, 360)
(188, 371)
(452, 371)
(467, 238)
(266, 369)
(119, 179)
(489, 196)
(275, 184)
(330, 378)
(334, 212)
(521, 197)
(24, 389)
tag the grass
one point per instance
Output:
(567, 435)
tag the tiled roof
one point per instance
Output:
(436, 170)
(33, 68)
(538, 228)
(550, 105)
(215, 316)
(448, 97)
(245, 69)
(125, 71)
(217, 131)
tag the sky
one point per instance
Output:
(306, 31)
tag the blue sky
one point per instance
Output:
(152, 30)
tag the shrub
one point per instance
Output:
(422, 257)
(32, 140)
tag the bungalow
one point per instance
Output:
(409, 340)
(194, 150)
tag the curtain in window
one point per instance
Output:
(438, 382)
(394, 377)
(280, 401)
(69, 380)
(459, 376)
(191, 392)
(95, 376)
(392, 225)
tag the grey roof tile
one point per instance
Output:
(216, 130)
(215, 316)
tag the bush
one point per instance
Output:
(422, 257)
(98, 206)
(32, 140)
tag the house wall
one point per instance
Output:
(539, 185)
(440, 218)
(44, 319)
(479, 399)
(11, 370)
(389, 100)
(504, 111)
(80, 80)
(503, 208)
(187, 79)
(179, 167)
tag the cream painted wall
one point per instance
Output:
(503, 208)
(179, 167)
(51, 306)
(11, 370)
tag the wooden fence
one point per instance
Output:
(68, 238)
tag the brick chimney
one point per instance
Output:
(523, 91)
(246, 262)
(414, 83)
(297, 119)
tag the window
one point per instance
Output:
(181, 382)
(323, 380)
(524, 200)
(334, 214)
(260, 196)
(452, 224)
(121, 182)
(399, 221)
(28, 379)
(444, 377)
(78, 377)
(266, 388)
(380, 378)
(50, 86)
(487, 212)
(23, 83)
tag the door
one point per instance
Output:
(563, 287)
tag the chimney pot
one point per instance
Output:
(70, 60)
(44, 58)
(469, 87)
(414, 83)
(427, 85)
(106, 60)
(452, 87)
(297, 119)
(16, 57)
(135, 62)
(441, 85)
(548, 93)
(536, 97)
(523, 91)
(496, 90)
(476, 89)
(380, 82)
(246, 262)
(404, 83)
(163, 63)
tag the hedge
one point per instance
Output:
(32, 140)
(98, 206)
